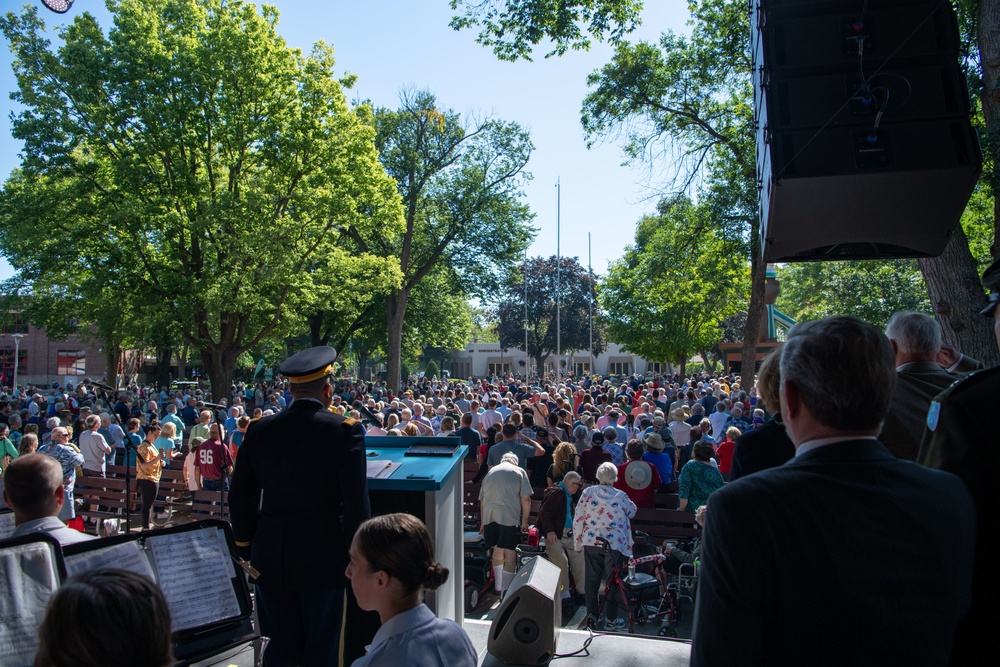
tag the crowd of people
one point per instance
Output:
(801, 442)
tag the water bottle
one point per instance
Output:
(631, 571)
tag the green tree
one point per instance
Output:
(657, 101)
(192, 160)
(667, 296)
(871, 290)
(438, 314)
(461, 189)
(566, 329)
(513, 28)
(688, 99)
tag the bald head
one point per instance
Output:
(33, 487)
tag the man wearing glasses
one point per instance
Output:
(555, 519)
(62, 450)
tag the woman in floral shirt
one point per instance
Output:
(603, 512)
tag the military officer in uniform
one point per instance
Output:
(960, 439)
(298, 471)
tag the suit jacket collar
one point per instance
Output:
(869, 450)
(921, 367)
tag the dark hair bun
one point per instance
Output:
(436, 575)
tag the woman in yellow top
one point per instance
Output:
(148, 466)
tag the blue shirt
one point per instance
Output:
(418, 637)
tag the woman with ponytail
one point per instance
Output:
(392, 562)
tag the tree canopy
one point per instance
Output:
(513, 28)
(667, 296)
(549, 280)
(191, 160)
(461, 185)
(687, 102)
(871, 290)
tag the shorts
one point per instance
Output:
(505, 537)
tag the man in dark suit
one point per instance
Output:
(916, 341)
(309, 465)
(766, 446)
(958, 439)
(842, 533)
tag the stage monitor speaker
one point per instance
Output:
(865, 147)
(526, 626)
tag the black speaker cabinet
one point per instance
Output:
(865, 147)
(526, 626)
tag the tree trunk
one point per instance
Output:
(395, 312)
(540, 365)
(220, 366)
(113, 354)
(163, 355)
(707, 361)
(956, 294)
(181, 361)
(989, 57)
(683, 364)
(362, 363)
(316, 330)
(755, 310)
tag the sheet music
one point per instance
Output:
(193, 576)
(230, 568)
(23, 599)
(125, 556)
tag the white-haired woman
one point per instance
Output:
(603, 513)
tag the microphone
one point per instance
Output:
(363, 409)
(100, 385)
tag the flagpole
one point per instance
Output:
(558, 278)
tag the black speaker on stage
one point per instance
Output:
(526, 626)
(865, 147)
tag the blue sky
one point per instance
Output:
(392, 44)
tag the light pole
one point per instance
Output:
(17, 348)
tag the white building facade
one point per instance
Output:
(485, 359)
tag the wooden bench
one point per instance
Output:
(104, 497)
(666, 500)
(210, 504)
(661, 524)
(173, 488)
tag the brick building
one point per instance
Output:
(41, 360)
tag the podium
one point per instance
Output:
(430, 488)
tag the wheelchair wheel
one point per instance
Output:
(471, 597)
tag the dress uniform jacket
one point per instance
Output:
(960, 439)
(305, 468)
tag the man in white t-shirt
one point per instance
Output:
(94, 447)
(490, 417)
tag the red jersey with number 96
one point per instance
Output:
(210, 457)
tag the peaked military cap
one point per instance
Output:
(309, 365)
